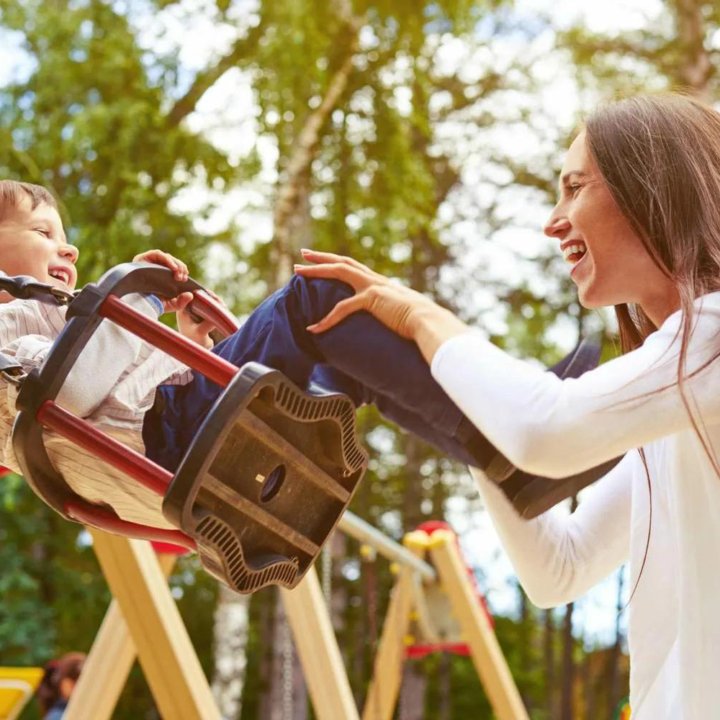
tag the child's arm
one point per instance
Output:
(109, 354)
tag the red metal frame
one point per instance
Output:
(198, 358)
(107, 448)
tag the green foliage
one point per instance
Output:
(91, 125)
(50, 590)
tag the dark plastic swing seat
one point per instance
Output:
(266, 478)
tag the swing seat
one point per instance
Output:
(265, 479)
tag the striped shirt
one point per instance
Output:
(112, 385)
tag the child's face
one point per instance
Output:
(33, 242)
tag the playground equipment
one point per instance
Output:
(17, 686)
(143, 622)
(234, 499)
(266, 477)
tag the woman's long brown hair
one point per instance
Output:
(660, 157)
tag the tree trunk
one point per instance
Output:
(412, 692)
(568, 675)
(294, 188)
(614, 655)
(695, 68)
(549, 656)
(230, 632)
(445, 689)
(526, 627)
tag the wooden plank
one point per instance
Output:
(385, 683)
(318, 650)
(166, 654)
(108, 664)
(486, 653)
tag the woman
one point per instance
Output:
(638, 222)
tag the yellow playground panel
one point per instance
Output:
(17, 686)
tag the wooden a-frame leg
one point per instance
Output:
(108, 664)
(166, 654)
(384, 686)
(486, 653)
(318, 650)
(385, 683)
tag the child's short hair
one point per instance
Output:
(12, 192)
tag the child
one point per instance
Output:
(57, 684)
(154, 404)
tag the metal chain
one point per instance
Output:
(327, 571)
(288, 671)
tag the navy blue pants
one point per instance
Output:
(360, 357)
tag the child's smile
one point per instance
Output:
(32, 242)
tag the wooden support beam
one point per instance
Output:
(108, 664)
(385, 684)
(318, 650)
(166, 655)
(486, 653)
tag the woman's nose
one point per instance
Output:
(557, 224)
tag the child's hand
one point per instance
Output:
(179, 268)
(190, 325)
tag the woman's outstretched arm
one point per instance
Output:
(544, 425)
(559, 556)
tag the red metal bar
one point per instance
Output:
(198, 358)
(96, 442)
(108, 521)
(206, 307)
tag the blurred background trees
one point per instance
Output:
(422, 138)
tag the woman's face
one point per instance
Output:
(609, 263)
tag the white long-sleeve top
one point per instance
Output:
(112, 385)
(555, 428)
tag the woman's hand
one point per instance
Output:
(405, 311)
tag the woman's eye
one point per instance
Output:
(574, 188)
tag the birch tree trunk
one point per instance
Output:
(549, 655)
(695, 68)
(230, 633)
(293, 189)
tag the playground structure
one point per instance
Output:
(143, 622)
(17, 686)
(232, 524)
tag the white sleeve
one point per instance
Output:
(108, 354)
(559, 556)
(28, 331)
(555, 428)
